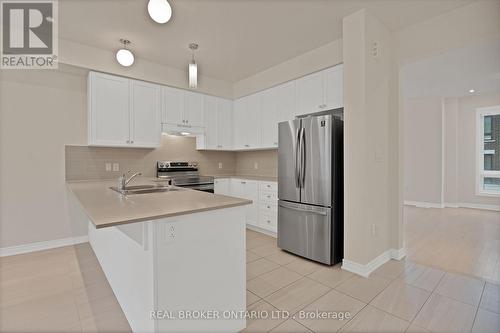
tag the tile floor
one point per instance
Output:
(401, 296)
(64, 290)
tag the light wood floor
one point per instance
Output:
(459, 240)
(65, 290)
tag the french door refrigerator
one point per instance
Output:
(310, 188)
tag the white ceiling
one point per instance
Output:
(454, 73)
(237, 38)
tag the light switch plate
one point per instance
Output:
(116, 167)
(220, 165)
(256, 165)
(108, 166)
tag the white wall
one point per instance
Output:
(457, 28)
(320, 58)
(440, 144)
(370, 108)
(423, 153)
(466, 134)
(75, 54)
(40, 112)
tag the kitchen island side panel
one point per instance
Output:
(186, 263)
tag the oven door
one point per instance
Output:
(201, 187)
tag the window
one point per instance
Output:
(488, 151)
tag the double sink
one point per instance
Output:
(144, 189)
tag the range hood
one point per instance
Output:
(182, 130)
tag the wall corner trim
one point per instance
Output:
(366, 270)
(40, 246)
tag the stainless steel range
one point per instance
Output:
(184, 174)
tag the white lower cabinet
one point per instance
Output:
(222, 186)
(263, 212)
(247, 189)
(268, 206)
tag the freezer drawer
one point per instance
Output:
(305, 230)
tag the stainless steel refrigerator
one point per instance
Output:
(310, 187)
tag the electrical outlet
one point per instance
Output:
(108, 166)
(116, 167)
(220, 165)
(170, 236)
(375, 50)
(256, 165)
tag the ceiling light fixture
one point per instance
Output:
(159, 10)
(185, 133)
(193, 68)
(471, 91)
(124, 56)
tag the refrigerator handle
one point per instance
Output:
(302, 157)
(303, 210)
(296, 158)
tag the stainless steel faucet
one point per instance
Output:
(123, 181)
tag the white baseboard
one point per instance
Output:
(262, 231)
(423, 204)
(366, 270)
(40, 246)
(479, 206)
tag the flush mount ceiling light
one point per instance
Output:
(124, 56)
(159, 10)
(193, 68)
(471, 91)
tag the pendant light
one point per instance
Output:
(159, 10)
(124, 56)
(193, 68)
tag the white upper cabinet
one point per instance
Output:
(286, 101)
(269, 118)
(320, 91)
(310, 93)
(224, 123)
(181, 107)
(218, 124)
(246, 123)
(172, 106)
(145, 126)
(109, 116)
(193, 110)
(122, 112)
(211, 123)
(334, 87)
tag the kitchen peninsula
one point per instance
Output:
(176, 252)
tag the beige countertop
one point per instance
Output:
(261, 178)
(106, 208)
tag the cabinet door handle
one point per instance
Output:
(132, 141)
(247, 145)
(243, 182)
